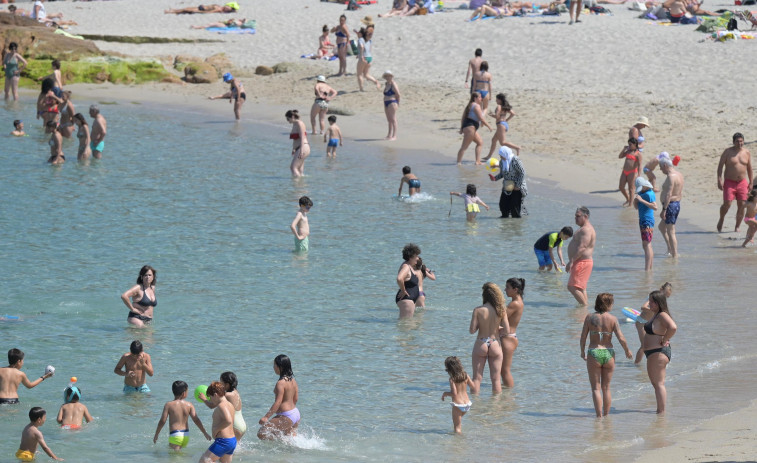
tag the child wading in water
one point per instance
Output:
(471, 202)
(334, 137)
(301, 227)
(413, 183)
(458, 381)
(72, 411)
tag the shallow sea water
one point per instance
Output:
(208, 203)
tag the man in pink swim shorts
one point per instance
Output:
(580, 251)
(734, 179)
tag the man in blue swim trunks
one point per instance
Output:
(99, 130)
(134, 366)
(672, 192)
(224, 444)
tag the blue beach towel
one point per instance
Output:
(230, 30)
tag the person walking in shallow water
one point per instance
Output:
(672, 193)
(99, 130)
(513, 176)
(580, 252)
(735, 179)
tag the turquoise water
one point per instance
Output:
(211, 212)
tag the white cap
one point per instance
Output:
(641, 182)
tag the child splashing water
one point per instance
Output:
(458, 381)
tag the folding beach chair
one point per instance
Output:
(746, 15)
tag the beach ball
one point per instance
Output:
(201, 389)
(492, 165)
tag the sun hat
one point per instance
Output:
(643, 120)
(641, 182)
(321, 79)
(368, 21)
(227, 77)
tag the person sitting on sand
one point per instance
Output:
(495, 9)
(14, 10)
(399, 7)
(231, 7)
(413, 6)
(242, 23)
(325, 47)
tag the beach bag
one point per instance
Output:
(422, 11)
(732, 25)
(353, 45)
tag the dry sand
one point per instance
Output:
(576, 91)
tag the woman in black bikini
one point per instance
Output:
(657, 333)
(141, 299)
(408, 280)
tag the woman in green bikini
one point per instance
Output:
(13, 65)
(599, 327)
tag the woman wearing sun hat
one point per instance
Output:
(323, 95)
(635, 131)
(391, 104)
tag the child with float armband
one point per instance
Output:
(458, 381)
(471, 202)
(72, 411)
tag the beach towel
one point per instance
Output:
(230, 30)
(477, 17)
(68, 34)
(312, 56)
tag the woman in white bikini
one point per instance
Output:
(485, 321)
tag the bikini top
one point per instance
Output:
(340, 34)
(52, 142)
(146, 301)
(631, 157)
(472, 113)
(482, 81)
(640, 138)
(648, 325)
(81, 133)
(390, 91)
(294, 136)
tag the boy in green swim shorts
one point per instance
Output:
(177, 411)
(301, 227)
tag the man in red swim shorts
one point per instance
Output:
(580, 253)
(736, 181)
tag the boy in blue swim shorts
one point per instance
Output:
(222, 448)
(334, 137)
(544, 249)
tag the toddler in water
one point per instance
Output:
(413, 183)
(301, 227)
(334, 136)
(18, 128)
(72, 411)
(471, 202)
(458, 381)
(749, 217)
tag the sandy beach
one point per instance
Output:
(576, 90)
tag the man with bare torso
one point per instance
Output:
(580, 252)
(134, 367)
(737, 179)
(474, 66)
(672, 192)
(99, 130)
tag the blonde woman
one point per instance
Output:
(485, 321)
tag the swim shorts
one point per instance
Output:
(142, 388)
(223, 446)
(98, 147)
(647, 229)
(333, 142)
(302, 245)
(543, 257)
(671, 213)
(580, 271)
(179, 437)
(24, 455)
(735, 190)
(414, 183)
(12, 401)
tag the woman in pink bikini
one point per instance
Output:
(631, 168)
